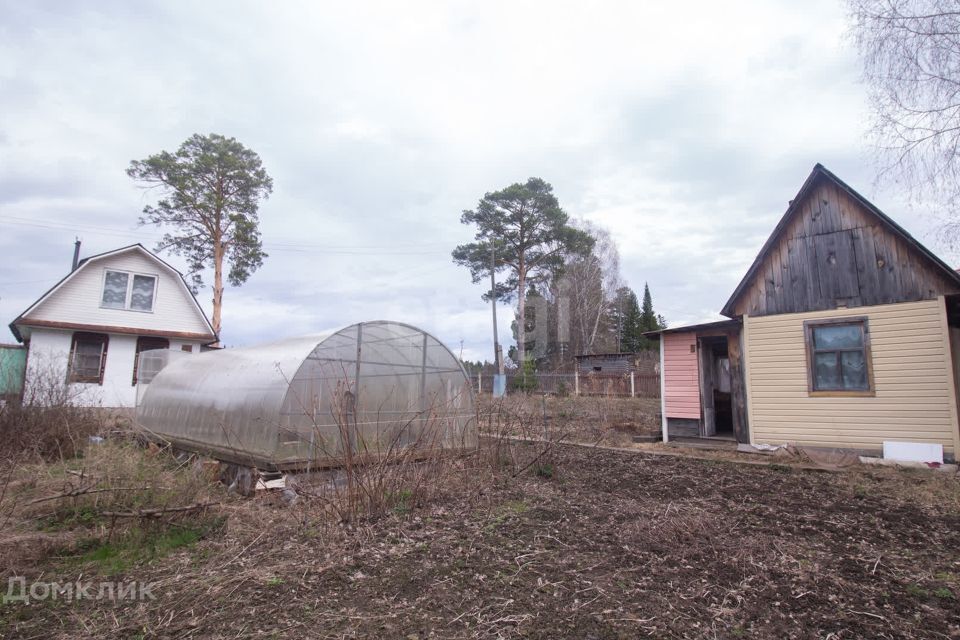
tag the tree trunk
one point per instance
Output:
(522, 317)
(217, 286)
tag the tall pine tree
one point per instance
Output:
(636, 319)
(649, 320)
(632, 339)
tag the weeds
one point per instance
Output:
(917, 591)
(119, 505)
(49, 423)
(544, 470)
(140, 547)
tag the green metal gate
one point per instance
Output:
(13, 364)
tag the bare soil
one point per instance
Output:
(597, 544)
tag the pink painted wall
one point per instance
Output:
(681, 376)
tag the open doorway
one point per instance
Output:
(715, 389)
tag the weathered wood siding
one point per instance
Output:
(738, 393)
(834, 252)
(608, 364)
(914, 401)
(681, 375)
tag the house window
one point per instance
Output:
(146, 344)
(186, 347)
(88, 357)
(838, 357)
(123, 290)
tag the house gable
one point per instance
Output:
(834, 249)
(75, 302)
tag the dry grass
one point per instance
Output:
(49, 424)
(510, 540)
(613, 545)
(612, 421)
(118, 493)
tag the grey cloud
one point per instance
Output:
(380, 123)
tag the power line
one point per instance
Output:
(291, 247)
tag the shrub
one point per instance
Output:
(49, 424)
(525, 379)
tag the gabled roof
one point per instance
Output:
(106, 254)
(821, 173)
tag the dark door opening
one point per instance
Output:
(715, 389)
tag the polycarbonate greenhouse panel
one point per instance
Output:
(368, 389)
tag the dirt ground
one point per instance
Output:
(598, 544)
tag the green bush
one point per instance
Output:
(525, 379)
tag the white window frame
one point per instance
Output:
(129, 296)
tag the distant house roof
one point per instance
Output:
(821, 173)
(703, 326)
(80, 265)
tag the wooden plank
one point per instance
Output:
(709, 416)
(867, 269)
(909, 290)
(850, 213)
(829, 209)
(888, 272)
(836, 266)
(805, 286)
(738, 393)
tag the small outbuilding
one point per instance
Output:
(606, 363)
(844, 333)
(366, 390)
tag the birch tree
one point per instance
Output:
(590, 283)
(911, 64)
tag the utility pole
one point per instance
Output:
(497, 355)
(497, 358)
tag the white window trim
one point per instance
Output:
(127, 300)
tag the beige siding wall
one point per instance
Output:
(913, 378)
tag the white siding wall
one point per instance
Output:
(78, 301)
(48, 360)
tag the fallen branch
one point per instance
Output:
(156, 513)
(867, 613)
(80, 492)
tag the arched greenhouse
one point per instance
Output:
(369, 389)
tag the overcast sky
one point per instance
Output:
(683, 129)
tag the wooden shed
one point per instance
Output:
(702, 380)
(844, 332)
(644, 363)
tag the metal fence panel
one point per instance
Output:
(590, 384)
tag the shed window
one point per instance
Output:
(146, 344)
(838, 357)
(88, 357)
(123, 290)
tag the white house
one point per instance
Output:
(92, 325)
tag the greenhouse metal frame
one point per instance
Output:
(369, 390)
